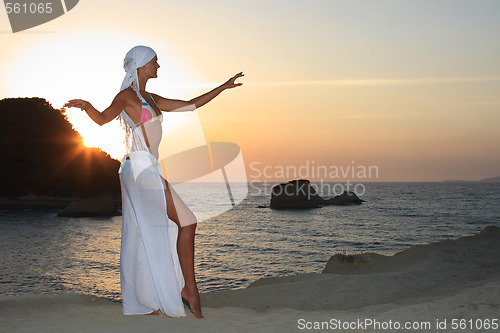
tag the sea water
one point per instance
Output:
(43, 253)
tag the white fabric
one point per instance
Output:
(137, 57)
(151, 276)
(150, 272)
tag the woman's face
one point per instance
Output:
(151, 68)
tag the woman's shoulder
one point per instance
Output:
(126, 93)
(128, 96)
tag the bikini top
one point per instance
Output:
(136, 138)
(147, 112)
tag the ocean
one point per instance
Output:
(45, 254)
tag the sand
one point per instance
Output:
(430, 286)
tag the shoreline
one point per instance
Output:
(446, 280)
(35, 202)
(79, 205)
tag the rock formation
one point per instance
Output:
(299, 193)
(295, 194)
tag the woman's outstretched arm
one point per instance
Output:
(166, 104)
(101, 118)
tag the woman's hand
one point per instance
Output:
(231, 84)
(78, 103)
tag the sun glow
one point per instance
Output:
(88, 65)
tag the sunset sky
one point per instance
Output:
(411, 87)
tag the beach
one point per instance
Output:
(433, 287)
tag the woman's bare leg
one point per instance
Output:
(177, 211)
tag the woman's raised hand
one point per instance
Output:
(78, 103)
(231, 84)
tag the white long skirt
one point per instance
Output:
(150, 272)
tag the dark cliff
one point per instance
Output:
(41, 154)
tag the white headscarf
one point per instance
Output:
(137, 57)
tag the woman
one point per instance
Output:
(157, 250)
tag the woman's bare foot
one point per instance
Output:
(154, 313)
(193, 300)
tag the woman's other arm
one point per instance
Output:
(166, 104)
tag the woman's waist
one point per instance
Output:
(140, 160)
(140, 155)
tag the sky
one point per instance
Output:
(407, 88)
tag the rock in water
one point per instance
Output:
(295, 194)
(346, 198)
(101, 206)
(299, 193)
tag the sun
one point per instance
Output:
(87, 64)
(109, 137)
